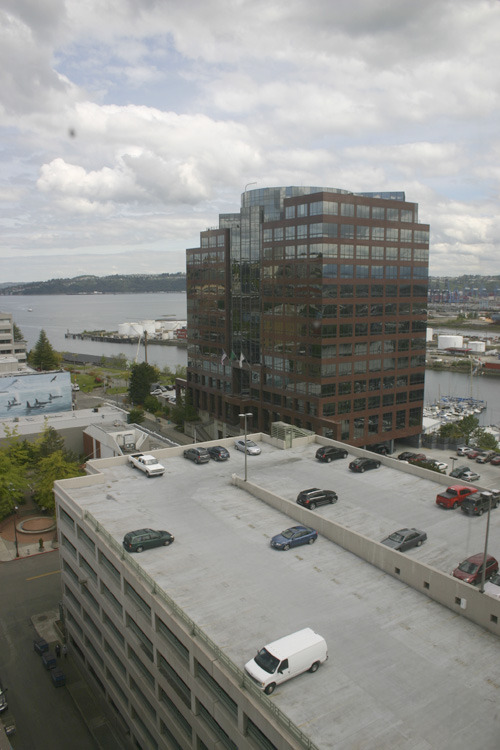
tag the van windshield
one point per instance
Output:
(266, 661)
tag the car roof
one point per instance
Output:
(479, 558)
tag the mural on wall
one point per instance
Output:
(40, 393)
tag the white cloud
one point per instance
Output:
(128, 121)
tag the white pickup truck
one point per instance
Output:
(148, 464)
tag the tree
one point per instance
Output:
(467, 425)
(141, 377)
(183, 411)
(484, 440)
(135, 416)
(48, 442)
(43, 356)
(48, 469)
(18, 335)
(13, 483)
(450, 431)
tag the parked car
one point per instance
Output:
(454, 496)
(471, 569)
(218, 453)
(252, 448)
(156, 392)
(440, 466)
(473, 453)
(417, 458)
(364, 464)
(480, 502)
(470, 476)
(405, 539)
(485, 458)
(141, 539)
(381, 448)
(198, 455)
(329, 453)
(40, 645)
(493, 586)
(495, 461)
(313, 497)
(3, 698)
(463, 450)
(406, 455)
(294, 537)
(459, 472)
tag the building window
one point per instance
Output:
(138, 600)
(290, 212)
(347, 231)
(85, 538)
(362, 272)
(346, 271)
(347, 209)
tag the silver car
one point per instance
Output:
(252, 448)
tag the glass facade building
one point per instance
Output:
(308, 307)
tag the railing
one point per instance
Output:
(239, 675)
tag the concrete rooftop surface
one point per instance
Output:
(403, 671)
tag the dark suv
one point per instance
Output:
(136, 541)
(329, 453)
(479, 502)
(313, 497)
(218, 453)
(198, 455)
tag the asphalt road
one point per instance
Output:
(45, 717)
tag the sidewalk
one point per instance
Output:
(104, 735)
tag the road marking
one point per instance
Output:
(42, 575)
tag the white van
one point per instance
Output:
(289, 656)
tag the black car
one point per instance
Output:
(460, 471)
(405, 539)
(198, 455)
(364, 464)
(380, 448)
(480, 502)
(406, 456)
(314, 497)
(218, 453)
(329, 453)
(137, 541)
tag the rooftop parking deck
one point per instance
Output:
(403, 671)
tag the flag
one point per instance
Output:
(242, 359)
(233, 356)
(224, 356)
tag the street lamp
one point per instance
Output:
(483, 574)
(245, 416)
(15, 530)
(453, 458)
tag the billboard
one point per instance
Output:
(32, 394)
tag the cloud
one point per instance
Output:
(132, 121)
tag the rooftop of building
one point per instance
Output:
(403, 671)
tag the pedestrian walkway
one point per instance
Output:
(104, 734)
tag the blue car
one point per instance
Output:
(293, 537)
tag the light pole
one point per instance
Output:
(483, 574)
(245, 416)
(453, 458)
(15, 531)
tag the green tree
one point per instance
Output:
(18, 335)
(450, 431)
(183, 411)
(43, 356)
(48, 469)
(484, 440)
(141, 377)
(152, 404)
(13, 483)
(135, 416)
(48, 442)
(467, 425)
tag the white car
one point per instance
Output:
(470, 476)
(156, 392)
(492, 587)
(440, 465)
(252, 448)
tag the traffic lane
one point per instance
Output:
(43, 714)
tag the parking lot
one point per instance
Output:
(394, 653)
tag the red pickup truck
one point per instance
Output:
(454, 496)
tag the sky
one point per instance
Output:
(127, 126)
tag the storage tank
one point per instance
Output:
(477, 346)
(450, 342)
(149, 326)
(130, 329)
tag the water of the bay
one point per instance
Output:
(57, 314)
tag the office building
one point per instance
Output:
(308, 306)
(12, 353)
